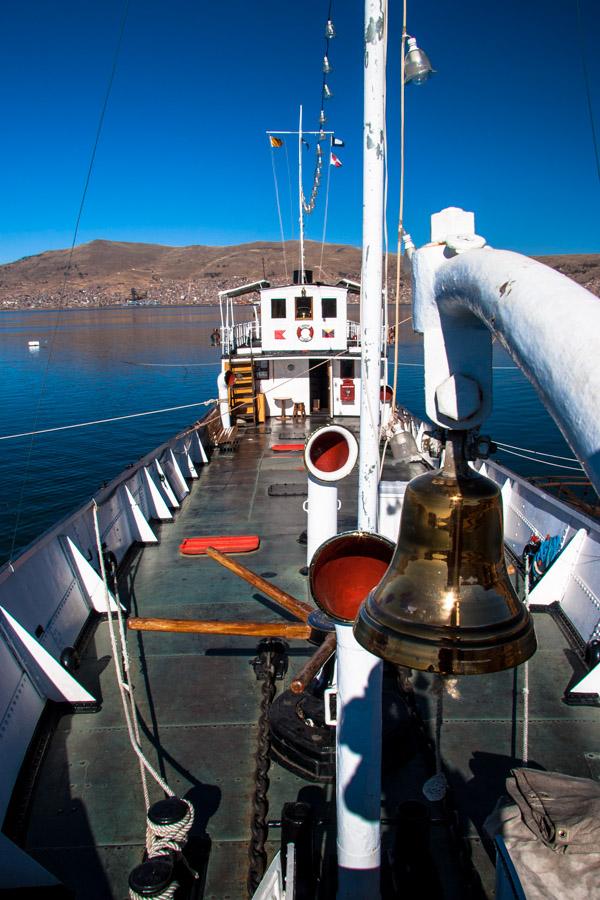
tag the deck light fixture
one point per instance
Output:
(417, 67)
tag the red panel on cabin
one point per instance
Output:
(237, 543)
(287, 448)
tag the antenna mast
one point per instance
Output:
(301, 210)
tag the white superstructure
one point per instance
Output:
(299, 347)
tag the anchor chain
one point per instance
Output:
(267, 667)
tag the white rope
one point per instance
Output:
(542, 462)
(167, 894)
(525, 750)
(438, 690)
(152, 412)
(538, 452)
(160, 839)
(168, 837)
(125, 688)
(279, 213)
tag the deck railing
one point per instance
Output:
(248, 334)
(244, 334)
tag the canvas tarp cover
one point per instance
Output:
(550, 824)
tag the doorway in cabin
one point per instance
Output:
(319, 387)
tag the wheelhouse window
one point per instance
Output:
(329, 307)
(278, 307)
(304, 307)
(346, 368)
(261, 369)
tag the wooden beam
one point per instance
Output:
(296, 607)
(314, 664)
(202, 626)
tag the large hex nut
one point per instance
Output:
(458, 398)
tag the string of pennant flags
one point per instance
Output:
(326, 94)
(335, 142)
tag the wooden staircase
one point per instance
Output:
(242, 404)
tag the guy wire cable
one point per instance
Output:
(103, 109)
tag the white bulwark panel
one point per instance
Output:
(303, 317)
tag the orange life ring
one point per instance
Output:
(305, 333)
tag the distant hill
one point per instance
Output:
(107, 272)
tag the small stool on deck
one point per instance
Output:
(299, 411)
(284, 402)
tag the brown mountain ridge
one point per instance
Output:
(113, 272)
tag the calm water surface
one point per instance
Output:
(95, 364)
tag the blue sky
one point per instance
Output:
(502, 128)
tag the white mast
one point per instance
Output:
(301, 211)
(358, 734)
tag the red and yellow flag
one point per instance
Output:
(275, 141)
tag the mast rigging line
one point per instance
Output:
(400, 206)
(588, 93)
(152, 412)
(279, 214)
(325, 220)
(542, 462)
(537, 452)
(104, 107)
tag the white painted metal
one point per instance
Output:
(140, 528)
(186, 464)
(158, 507)
(52, 679)
(322, 514)
(371, 315)
(271, 886)
(20, 872)
(89, 580)
(175, 475)
(589, 684)
(358, 735)
(44, 595)
(553, 585)
(343, 470)
(290, 871)
(223, 401)
(203, 456)
(530, 308)
(165, 486)
(358, 746)
(575, 582)
(391, 498)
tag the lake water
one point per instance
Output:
(98, 363)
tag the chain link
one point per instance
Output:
(260, 803)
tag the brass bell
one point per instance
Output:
(446, 604)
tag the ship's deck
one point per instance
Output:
(199, 702)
